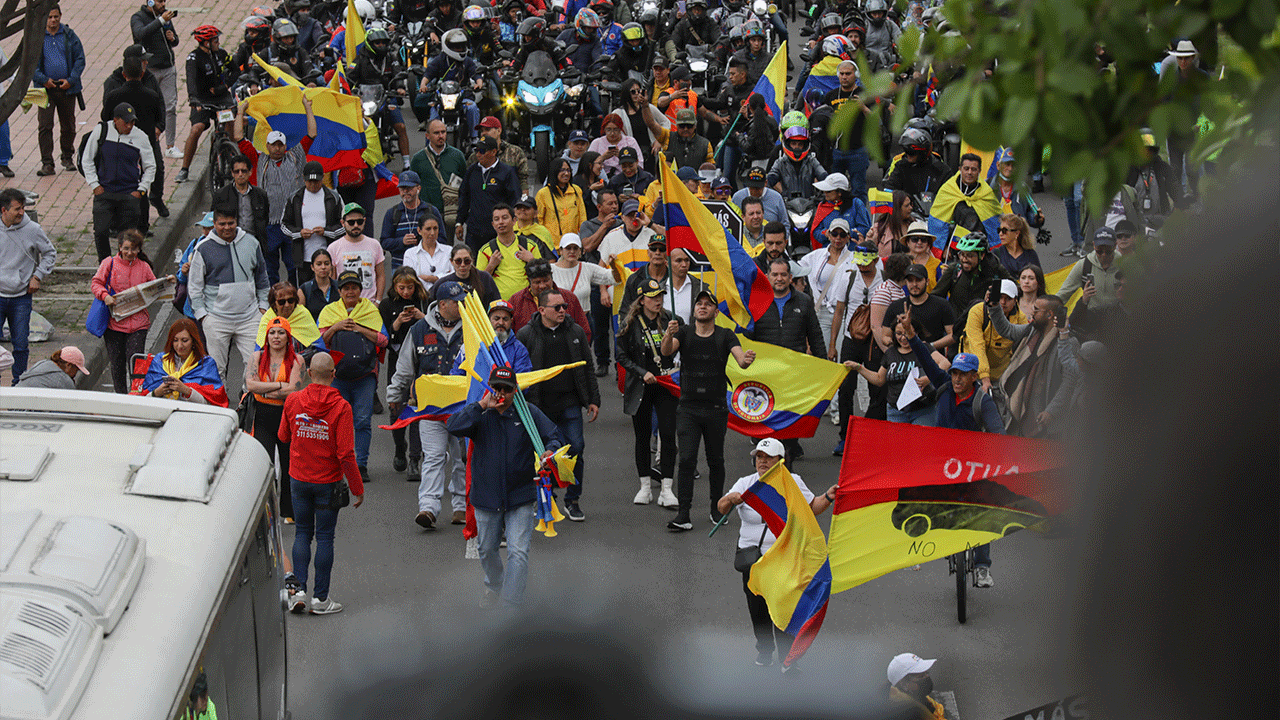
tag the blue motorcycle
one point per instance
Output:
(538, 103)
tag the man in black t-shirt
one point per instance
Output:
(703, 412)
(935, 315)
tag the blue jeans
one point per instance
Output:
(508, 582)
(278, 245)
(730, 158)
(313, 518)
(16, 312)
(360, 394)
(923, 417)
(853, 163)
(6, 150)
(1074, 200)
(569, 423)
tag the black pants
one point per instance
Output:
(866, 352)
(655, 399)
(112, 212)
(695, 422)
(768, 636)
(405, 437)
(65, 106)
(156, 191)
(266, 426)
(121, 347)
(602, 320)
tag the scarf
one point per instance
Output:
(302, 325)
(364, 313)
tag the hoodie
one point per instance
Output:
(228, 280)
(25, 252)
(317, 426)
(47, 374)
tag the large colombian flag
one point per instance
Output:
(772, 85)
(794, 575)
(822, 77)
(984, 204)
(743, 291)
(340, 137)
(948, 491)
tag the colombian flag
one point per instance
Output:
(772, 85)
(1054, 280)
(822, 77)
(984, 203)
(281, 77)
(354, 30)
(879, 202)
(794, 576)
(340, 138)
(743, 291)
(956, 489)
(202, 376)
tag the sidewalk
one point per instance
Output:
(65, 205)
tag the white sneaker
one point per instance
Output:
(645, 496)
(298, 602)
(174, 152)
(327, 606)
(666, 498)
(982, 577)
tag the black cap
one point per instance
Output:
(707, 294)
(1125, 227)
(917, 271)
(503, 376)
(125, 112)
(755, 177)
(679, 72)
(348, 277)
(486, 144)
(138, 51)
(628, 154)
(313, 170)
(525, 202)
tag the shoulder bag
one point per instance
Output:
(99, 312)
(341, 495)
(748, 556)
(860, 321)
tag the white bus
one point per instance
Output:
(140, 562)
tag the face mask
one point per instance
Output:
(1006, 178)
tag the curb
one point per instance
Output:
(188, 202)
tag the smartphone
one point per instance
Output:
(1087, 279)
(994, 291)
(613, 147)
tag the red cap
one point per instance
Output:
(490, 122)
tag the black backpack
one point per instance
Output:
(84, 140)
(359, 355)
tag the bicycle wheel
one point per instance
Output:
(221, 152)
(962, 565)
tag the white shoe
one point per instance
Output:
(645, 496)
(666, 498)
(298, 602)
(174, 152)
(327, 606)
(982, 577)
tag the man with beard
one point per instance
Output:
(1041, 379)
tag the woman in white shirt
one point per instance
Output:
(429, 258)
(570, 273)
(753, 533)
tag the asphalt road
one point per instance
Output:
(411, 597)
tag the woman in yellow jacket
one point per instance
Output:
(980, 338)
(560, 206)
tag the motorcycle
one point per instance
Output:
(800, 213)
(374, 99)
(447, 97)
(539, 100)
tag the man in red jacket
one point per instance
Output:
(317, 428)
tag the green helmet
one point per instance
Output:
(973, 242)
(791, 119)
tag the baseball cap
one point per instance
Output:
(350, 208)
(721, 182)
(680, 72)
(755, 177)
(486, 144)
(660, 60)
(628, 154)
(707, 294)
(489, 121)
(579, 136)
(73, 355)
(769, 446)
(205, 221)
(687, 173)
(501, 305)
(686, 116)
(1009, 288)
(798, 270)
(502, 376)
(525, 202)
(839, 224)
(409, 178)
(137, 50)
(347, 277)
(630, 206)
(1104, 236)
(313, 170)
(864, 254)
(658, 240)
(907, 664)
(963, 362)
(451, 291)
(834, 181)
(570, 239)
(918, 271)
(1126, 227)
(279, 322)
(275, 136)
(652, 288)
(125, 112)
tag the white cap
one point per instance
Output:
(570, 239)
(275, 136)
(1008, 287)
(769, 446)
(839, 224)
(1185, 48)
(907, 664)
(834, 181)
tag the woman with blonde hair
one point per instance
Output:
(1017, 248)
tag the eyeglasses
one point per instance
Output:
(637, 91)
(557, 306)
(462, 261)
(356, 221)
(1004, 230)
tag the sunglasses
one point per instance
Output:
(462, 261)
(503, 390)
(637, 92)
(1004, 230)
(917, 239)
(837, 233)
(557, 306)
(287, 301)
(240, 171)
(357, 221)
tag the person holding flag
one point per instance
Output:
(756, 538)
(503, 490)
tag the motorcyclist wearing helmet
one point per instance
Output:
(377, 65)
(310, 32)
(635, 55)
(655, 30)
(919, 170)
(532, 37)
(585, 34)
(284, 49)
(209, 77)
(828, 24)
(446, 16)
(835, 46)
(454, 63)
(730, 43)
(513, 13)
(484, 46)
(257, 38)
(797, 168)
(882, 33)
(610, 29)
(966, 280)
(753, 54)
(367, 12)
(696, 28)
(404, 11)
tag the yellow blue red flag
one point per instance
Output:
(941, 215)
(772, 85)
(340, 138)
(794, 575)
(822, 77)
(281, 77)
(354, 32)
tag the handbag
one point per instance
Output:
(341, 495)
(246, 412)
(860, 322)
(748, 556)
(99, 312)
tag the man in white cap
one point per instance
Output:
(1190, 79)
(910, 684)
(980, 338)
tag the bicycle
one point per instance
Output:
(222, 149)
(961, 565)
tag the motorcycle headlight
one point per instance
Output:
(370, 107)
(575, 90)
(530, 98)
(760, 7)
(449, 101)
(801, 219)
(509, 101)
(698, 65)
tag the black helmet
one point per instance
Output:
(830, 21)
(916, 140)
(649, 15)
(283, 28)
(378, 40)
(531, 30)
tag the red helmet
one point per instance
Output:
(205, 33)
(263, 11)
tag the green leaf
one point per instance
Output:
(1077, 167)
(1073, 77)
(1019, 117)
(954, 97)
(871, 137)
(901, 111)
(880, 83)
(982, 133)
(909, 46)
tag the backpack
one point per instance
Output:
(359, 355)
(84, 140)
(962, 324)
(979, 423)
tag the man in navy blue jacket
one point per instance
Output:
(487, 182)
(502, 482)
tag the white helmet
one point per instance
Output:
(455, 44)
(365, 10)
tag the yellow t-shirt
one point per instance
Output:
(509, 274)
(539, 231)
